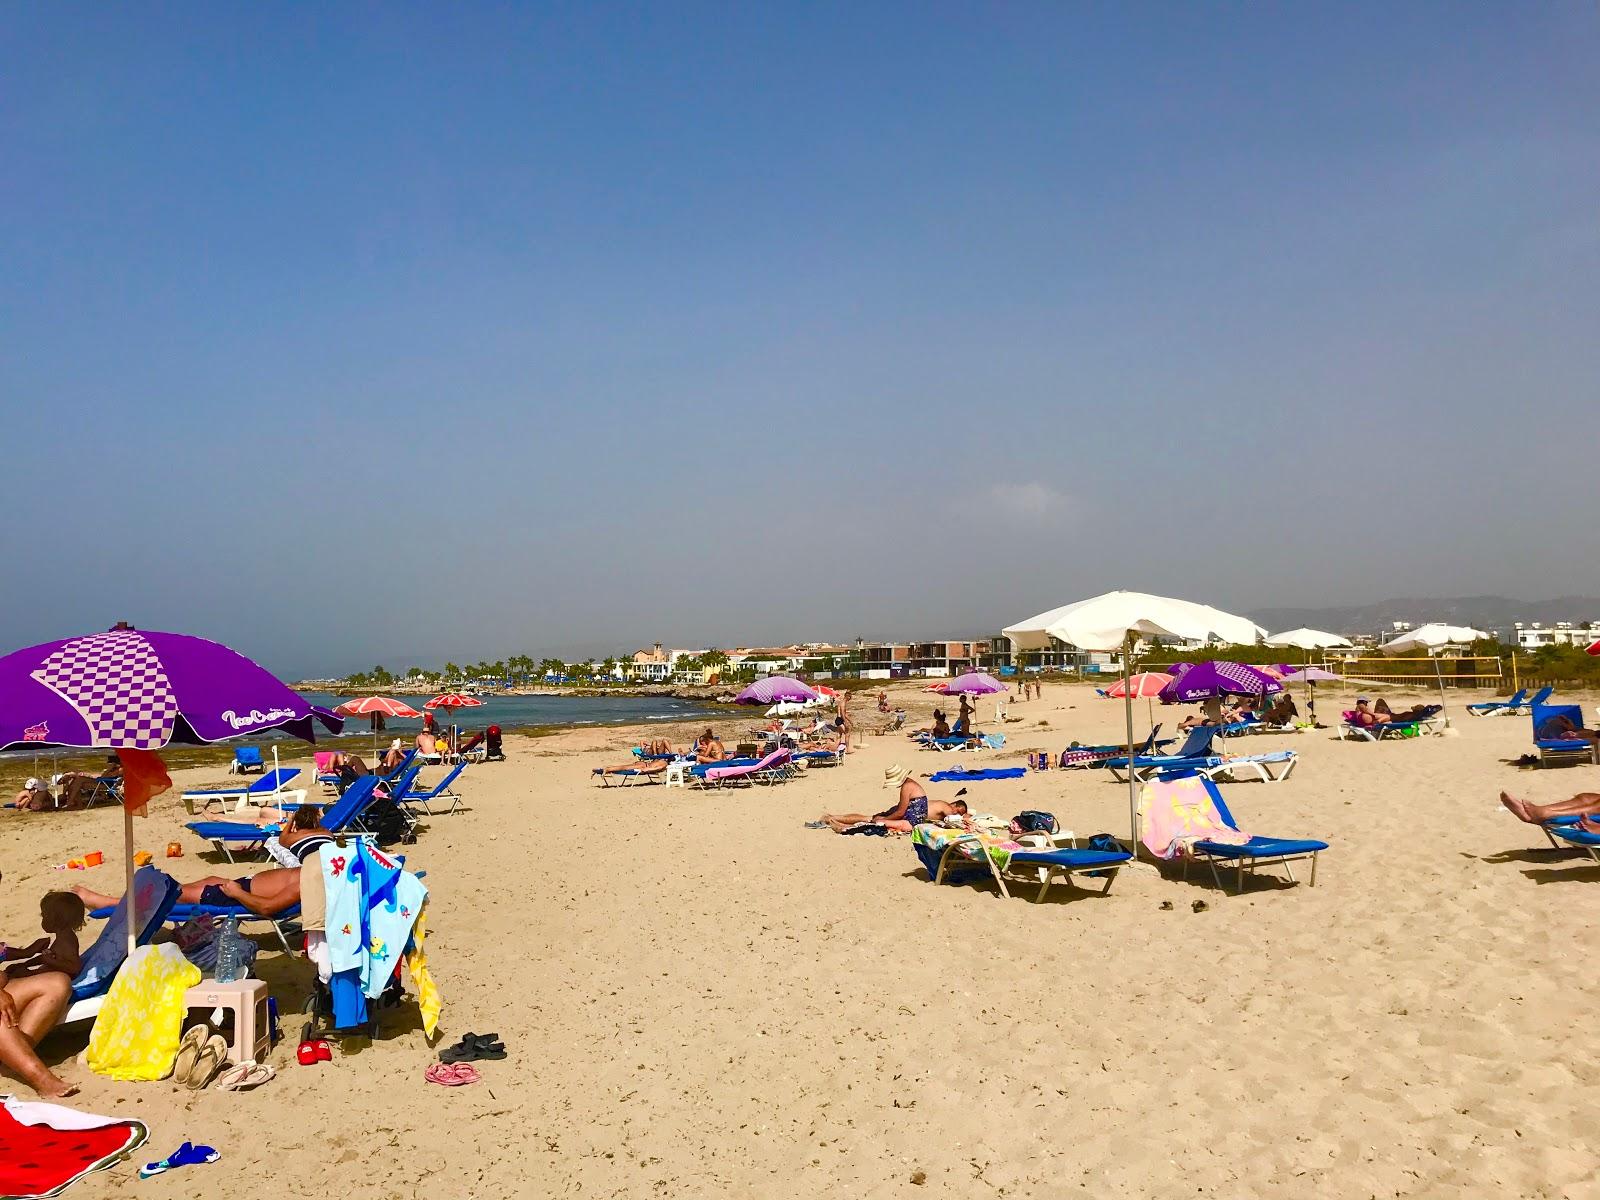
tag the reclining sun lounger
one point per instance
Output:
(1196, 749)
(247, 760)
(245, 837)
(1268, 768)
(155, 893)
(1571, 834)
(414, 793)
(1245, 857)
(768, 770)
(1496, 708)
(956, 856)
(268, 788)
(1095, 756)
(1560, 749)
(1387, 729)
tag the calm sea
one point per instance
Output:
(516, 712)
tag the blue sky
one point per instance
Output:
(402, 333)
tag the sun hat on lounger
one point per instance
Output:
(896, 775)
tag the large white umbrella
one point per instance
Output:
(1432, 638)
(1115, 621)
(1308, 639)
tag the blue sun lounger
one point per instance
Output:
(1569, 832)
(1247, 857)
(439, 791)
(1560, 749)
(270, 785)
(247, 760)
(963, 859)
(343, 814)
(1195, 751)
(1496, 708)
(156, 893)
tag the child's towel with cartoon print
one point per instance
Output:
(372, 907)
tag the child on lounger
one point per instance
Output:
(61, 915)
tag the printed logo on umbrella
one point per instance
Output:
(36, 733)
(255, 717)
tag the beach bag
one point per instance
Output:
(1031, 821)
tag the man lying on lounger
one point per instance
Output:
(1562, 727)
(266, 893)
(912, 808)
(1585, 805)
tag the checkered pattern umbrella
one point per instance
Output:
(136, 689)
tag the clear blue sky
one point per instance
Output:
(396, 333)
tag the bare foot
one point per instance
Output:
(52, 1087)
(1519, 808)
(1589, 825)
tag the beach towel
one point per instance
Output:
(972, 845)
(428, 998)
(963, 776)
(154, 893)
(136, 1033)
(45, 1148)
(1174, 814)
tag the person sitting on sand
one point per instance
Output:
(34, 797)
(708, 748)
(266, 893)
(1585, 806)
(939, 729)
(911, 809)
(61, 915)
(1282, 711)
(883, 702)
(29, 1009)
(77, 787)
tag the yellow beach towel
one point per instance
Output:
(136, 1034)
(428, 998)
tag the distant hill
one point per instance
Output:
(1493, 613)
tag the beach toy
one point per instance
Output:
(143, 858)
(186, 1155)
(174, 850)
(94, 858)
(74, 864)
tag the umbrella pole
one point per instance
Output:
(1127, 713)
(1444, 709)
(128, 890)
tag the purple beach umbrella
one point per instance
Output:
(1209, 680)
(975, 683)
(775, 690)
(1311, 675)
(128, 689)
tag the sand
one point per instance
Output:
(703, 998)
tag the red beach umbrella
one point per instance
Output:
(366, 706)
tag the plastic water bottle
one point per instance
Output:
(228, 957)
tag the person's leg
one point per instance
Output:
(40, 1000)
(1535, 814)
(93, 899)
(842, 821)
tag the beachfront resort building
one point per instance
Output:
(1533, 635)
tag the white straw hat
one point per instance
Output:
(896, 775)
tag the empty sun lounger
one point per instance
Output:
(1247, 857)
(1096, 756)
(1495, 708)
(1274, 767)
(268, 789)
(956, 856)
(415, 793)
(1196, 750)
(247, 760)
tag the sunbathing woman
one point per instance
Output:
(911, 809)
(1563, 727)
(266, 893)
(649, 759)
(709, 748)
(1585, 805)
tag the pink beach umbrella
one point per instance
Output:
(1143, 686)
(974, 683)
(775, 690)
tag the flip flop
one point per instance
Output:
(186, 1155)
(244, 1076)
(451, 1074)
(212, 1055)
(194, 1038)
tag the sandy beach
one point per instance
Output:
(702, 997)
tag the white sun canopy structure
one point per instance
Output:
(1115, 621)
(1308, 639)
(1431, 639)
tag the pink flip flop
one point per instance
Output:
(451, 1074)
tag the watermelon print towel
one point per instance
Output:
(45, 1148)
